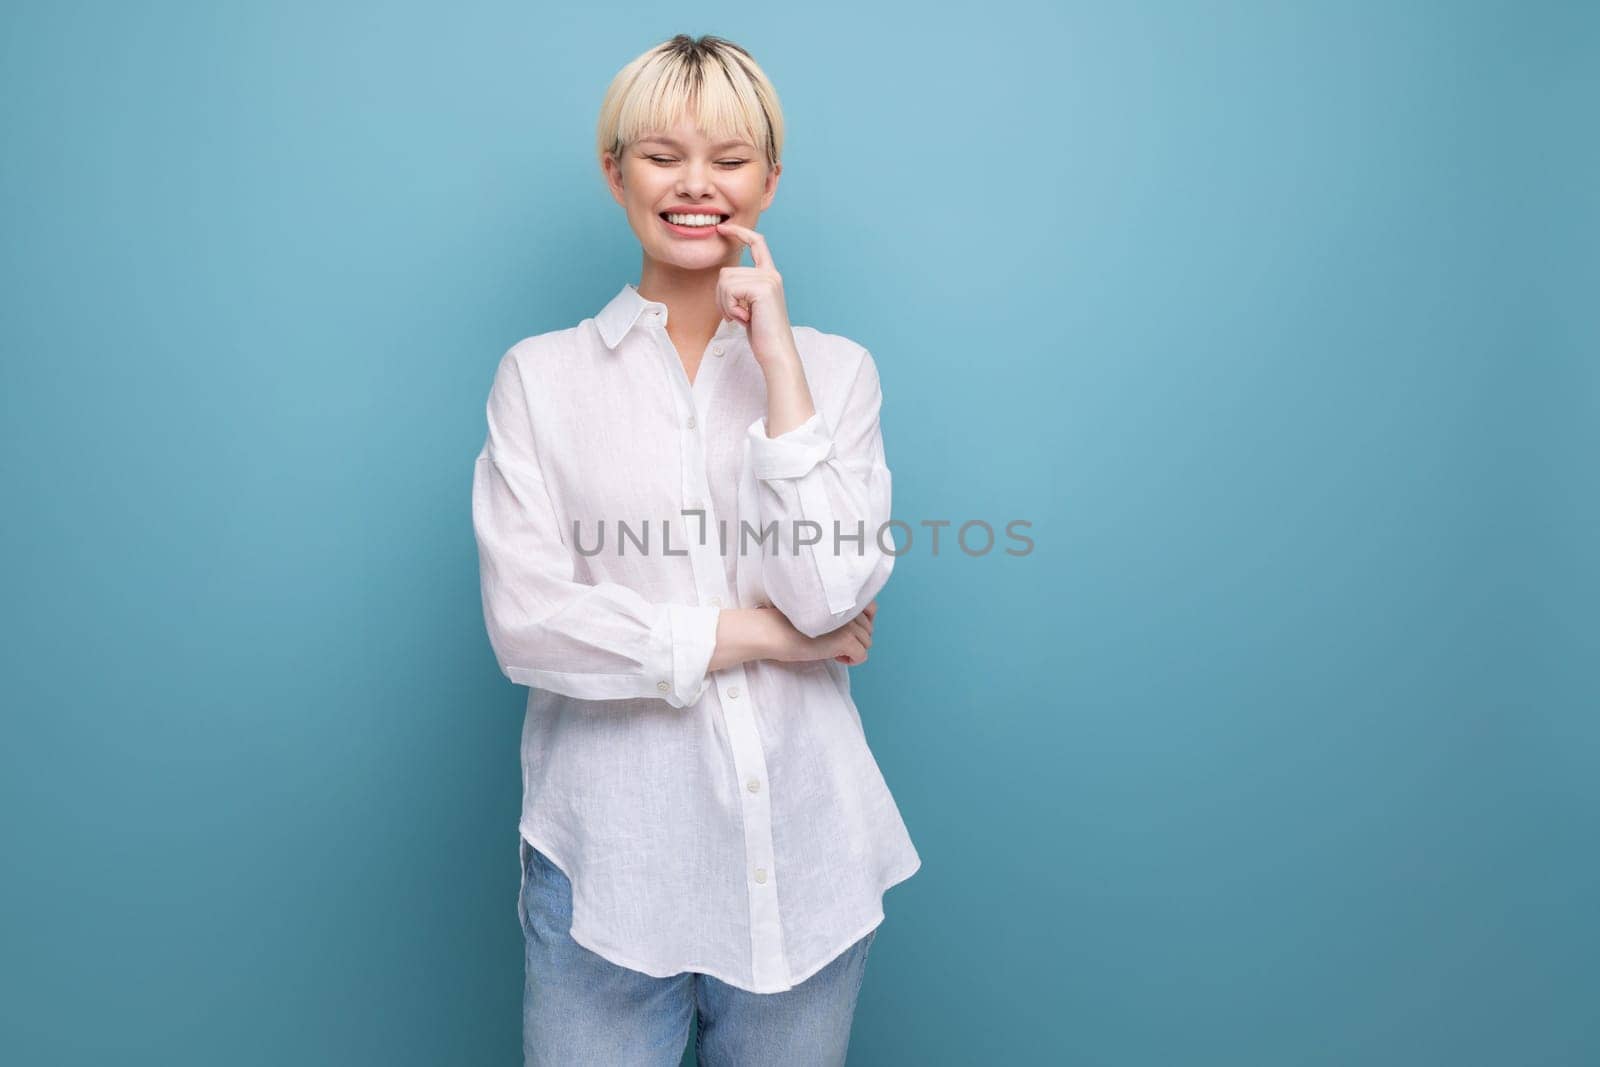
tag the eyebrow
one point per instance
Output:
(723, 144)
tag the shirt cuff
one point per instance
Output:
(791, 454)
(694, 639)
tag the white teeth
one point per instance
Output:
(694, 220)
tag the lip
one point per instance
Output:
(700, 232)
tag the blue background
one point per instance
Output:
(1276, 320)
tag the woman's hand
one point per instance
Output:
(754, 297)
(848, 644)
(766, 633)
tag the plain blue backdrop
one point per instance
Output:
(1276, 320)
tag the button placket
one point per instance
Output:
(769, 963)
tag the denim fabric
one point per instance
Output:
(580, 1008)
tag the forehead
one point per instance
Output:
(687, 135)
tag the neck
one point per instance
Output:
(690, 295)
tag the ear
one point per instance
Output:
(771, 188)
(612, 170)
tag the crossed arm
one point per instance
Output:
(606, 641)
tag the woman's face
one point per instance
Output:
(680, 171)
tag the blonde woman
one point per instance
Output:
(680, 511)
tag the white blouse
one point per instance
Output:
(732, 822)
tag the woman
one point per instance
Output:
(704, 831)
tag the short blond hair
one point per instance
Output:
(712, 81)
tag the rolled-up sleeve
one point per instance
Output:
(593, 641)
(836, 477)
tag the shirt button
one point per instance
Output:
(761, 875)
(716, 602)
(691, 422)
(716, 350)
(663, 686)
(733, 691)
(754, 785)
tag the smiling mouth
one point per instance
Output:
(664, 218)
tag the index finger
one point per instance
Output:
(759, 255)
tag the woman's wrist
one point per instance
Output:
(745, 634)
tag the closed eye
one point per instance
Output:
(728, 163)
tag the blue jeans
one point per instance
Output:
(579, 1008)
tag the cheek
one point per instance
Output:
(642, 206)
(747, 194)
(652, 195)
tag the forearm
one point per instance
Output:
(745, 634)
(789, 401)
(824, 487)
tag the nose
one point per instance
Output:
(696, 180)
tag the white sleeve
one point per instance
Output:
(548, 630)
(836, 477)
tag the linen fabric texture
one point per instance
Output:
(733, 823)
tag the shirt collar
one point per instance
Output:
(618, 316)
(625, 309)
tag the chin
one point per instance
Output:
(709, 256)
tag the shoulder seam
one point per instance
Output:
(537, 341)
